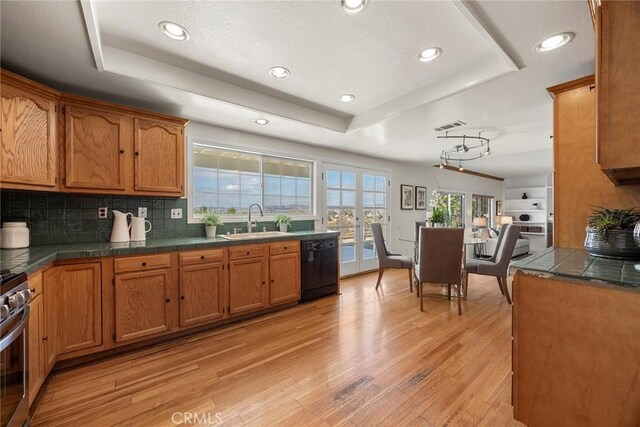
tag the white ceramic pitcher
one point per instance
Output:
(138, 229)
(120, 229)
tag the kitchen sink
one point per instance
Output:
(257, 235)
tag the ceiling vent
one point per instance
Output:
(450, 126)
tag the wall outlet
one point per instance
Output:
(176, 213)
(142, 212)
(103, 212)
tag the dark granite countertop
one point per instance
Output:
(579, 265)
(34, 258)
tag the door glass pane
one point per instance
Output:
(368, 182)
(333, 179)
(349, 180)
(369, 250)
(333, 198)
(349, 198)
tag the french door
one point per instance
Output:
(355, 198)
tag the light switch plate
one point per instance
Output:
(176, 213)
(142, 212)
(103, 212)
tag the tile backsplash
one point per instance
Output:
(71, 218)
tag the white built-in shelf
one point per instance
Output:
(515, 206)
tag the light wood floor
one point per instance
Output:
(364, 358)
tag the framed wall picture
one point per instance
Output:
(421, 198)
(406, 197)
(499, 208)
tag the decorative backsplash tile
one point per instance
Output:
(70, 218)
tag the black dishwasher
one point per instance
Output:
(318, 268)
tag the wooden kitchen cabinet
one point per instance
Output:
(158, 156)
(575, 353)
(574, 155)
(284, 273)
(29, 135)
(248, 279)
(97, 147)
(36, 347)
(202, 291)
(142, 304)
(60, 142)
(73, 308)
(618, 90)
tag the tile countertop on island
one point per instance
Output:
(34, 258)
(577, 264)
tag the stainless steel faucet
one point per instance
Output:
(250, 223)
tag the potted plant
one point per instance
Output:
(283, 221)
(610, 233)
(211, 220)
(437, 218)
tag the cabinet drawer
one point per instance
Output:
(141, 263)
(287, 247)
(248, 251)
(200, 257)
(35, 285)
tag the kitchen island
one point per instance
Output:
(576, 352)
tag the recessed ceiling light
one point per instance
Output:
(553, 42)
(353, 6)
(173, 30)
(279, 72)
(347, 97)
(429, 54)
(262, 122)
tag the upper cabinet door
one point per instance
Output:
(28, 140)
(618, 90)
(159, 154)
(97, 148)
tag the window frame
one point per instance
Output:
(463, 207)
(190, 193)
(491, 214)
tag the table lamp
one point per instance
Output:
(506, 220)
(480, 222)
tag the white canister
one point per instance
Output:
(14, 235)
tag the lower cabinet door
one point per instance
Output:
(248, 290)
(73, 307)
(284, 272)
(36, 355)
(142, 304)
(201, 293)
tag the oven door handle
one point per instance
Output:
(16, 331)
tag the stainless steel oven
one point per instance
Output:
(14, 315)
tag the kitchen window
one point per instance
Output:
(228, 181)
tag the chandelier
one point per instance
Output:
(472, 148)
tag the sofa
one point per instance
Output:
(491, 236)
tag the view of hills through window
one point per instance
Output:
(229, 181)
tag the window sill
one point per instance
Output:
(245, 218)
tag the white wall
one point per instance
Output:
(402, 222)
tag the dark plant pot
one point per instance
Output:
(618, 244)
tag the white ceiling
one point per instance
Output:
(220, 75)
